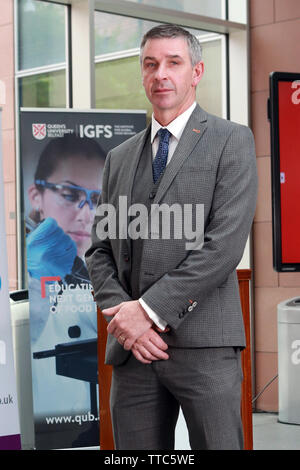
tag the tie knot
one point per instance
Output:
(164, 135)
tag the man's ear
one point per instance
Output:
(35, 197)
(198, 72)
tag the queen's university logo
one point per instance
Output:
(39, 131)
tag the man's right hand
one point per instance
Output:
(150, 347)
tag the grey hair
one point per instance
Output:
(174, 31)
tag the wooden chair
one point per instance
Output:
(106, 435)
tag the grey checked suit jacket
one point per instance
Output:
(195, 292)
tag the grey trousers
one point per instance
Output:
(205, 382)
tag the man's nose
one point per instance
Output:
(161, 72)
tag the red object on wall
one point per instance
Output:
(289, 147)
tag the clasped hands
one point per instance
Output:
(135, 331)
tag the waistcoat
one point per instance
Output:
(143, 192)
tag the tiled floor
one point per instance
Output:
(269, 434)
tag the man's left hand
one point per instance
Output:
(150, 347)
(129, 322)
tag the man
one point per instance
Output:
(175, 322)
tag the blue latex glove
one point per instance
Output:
(50, 251)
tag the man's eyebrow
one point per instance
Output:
(148, 57)
(174, 56)
(170, 56)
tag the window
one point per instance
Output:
(213, 8)
(41, 38)
(118, 76)
(46, 90)
(42, 69)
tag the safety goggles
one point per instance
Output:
(71, 194)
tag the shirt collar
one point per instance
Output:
(175, 127)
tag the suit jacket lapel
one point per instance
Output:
(192, 133)
(131, 171)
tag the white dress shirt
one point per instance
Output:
(176, 129)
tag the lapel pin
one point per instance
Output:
(197, 130)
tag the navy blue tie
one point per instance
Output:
(160, 161)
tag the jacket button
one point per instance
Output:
(126, 258)
(152, 195)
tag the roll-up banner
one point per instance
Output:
(9, 414)
(62, 158)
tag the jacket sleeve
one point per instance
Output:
(101, 265)
(231, 216)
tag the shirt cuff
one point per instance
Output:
(151, 314)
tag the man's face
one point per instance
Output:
(168, 76)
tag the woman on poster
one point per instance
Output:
(63, 199)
